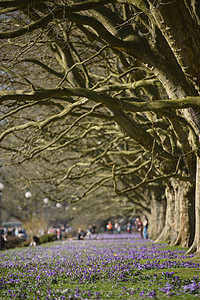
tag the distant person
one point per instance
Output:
(145, 227)
(22, 233)
(89, 231)
(81, 234)
(109, 227)
(58, 234)
(129, 227)
(16, 231)
(139, 226)
(35, 241)
(117, 227)
(93, 229)
(2, 231)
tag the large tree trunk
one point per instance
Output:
(179, 221)
(176, 222)
(196, 243)
(167, 231)
(185, 221)
(157, 217)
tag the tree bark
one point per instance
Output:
(196, 243)
(184, 221)
(157, 217)
(169, 218)
(179, 222)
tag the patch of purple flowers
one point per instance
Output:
(64, 269)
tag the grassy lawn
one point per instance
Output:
(112, 268)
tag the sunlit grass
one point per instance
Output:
(112, 268)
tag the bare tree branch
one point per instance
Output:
(136, 105)
(55, 13)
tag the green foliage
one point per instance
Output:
(46, 238)
(14, 241)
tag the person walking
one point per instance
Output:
(145, 227)
(139, 225)
(109, 227)
(129, 227)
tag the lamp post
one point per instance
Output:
(1, 188)
(28, 195)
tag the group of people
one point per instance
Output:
(141, 226)
(13, 231)
(61, 231)
(91, 231)
(116, 228)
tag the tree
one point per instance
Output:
(138, 62)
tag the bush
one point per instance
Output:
(46, 238)
(13, 242)
(2, 245)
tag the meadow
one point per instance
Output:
(111, 267)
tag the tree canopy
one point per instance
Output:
(104, 95)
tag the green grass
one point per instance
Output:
(123, 290)
(97, 287)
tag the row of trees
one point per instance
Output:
(101, 96)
